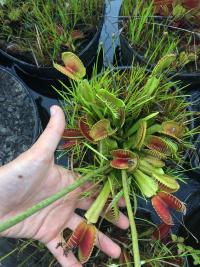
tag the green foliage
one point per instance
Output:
(2, 2)
(40, 30)
(154, 38)
(134, 122)
(187, 250)
(14, 14)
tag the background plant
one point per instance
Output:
(188, 10)
(153, 37)
(39, 31)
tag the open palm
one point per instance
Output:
(34, 176)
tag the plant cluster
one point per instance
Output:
(180, 9)
(152, 36)
(135, 128)
(127, 131)
(38, 31)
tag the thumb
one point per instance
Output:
(49, 139)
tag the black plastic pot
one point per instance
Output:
(48, 75)
(194, 154)
(129, 53)
(19, 119)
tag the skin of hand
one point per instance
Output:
(33, 177)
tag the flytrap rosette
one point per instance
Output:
(73, 66)
(130, 130)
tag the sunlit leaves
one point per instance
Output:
(93, 213)
(154, 161)
(86, 92)
(147, 167)
(108, 144)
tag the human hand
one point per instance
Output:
(33, 177)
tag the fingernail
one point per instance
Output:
(53, 110)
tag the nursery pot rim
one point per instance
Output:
(25, 88)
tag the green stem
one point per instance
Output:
(134, 235)
(101, 152)
(92, 215)
(48, 201)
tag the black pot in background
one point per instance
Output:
(194, 154)
(129, 53)
(19, 118)
(46, 76)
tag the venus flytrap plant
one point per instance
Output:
(135, 142)
(120, 135)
